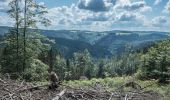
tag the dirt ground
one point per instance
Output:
(13, 90)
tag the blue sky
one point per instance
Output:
(57, 3)
(102, 15)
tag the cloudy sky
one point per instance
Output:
(102, 15)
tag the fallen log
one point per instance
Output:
(132, 84)
(32, 88)
(59, 95)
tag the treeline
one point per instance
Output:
(83, 64)
(28, 55)
(150, 63)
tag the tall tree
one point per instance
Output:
(60, 66)
(17, 26)
(83, 64)
(21, 50)
(12, 53)
(100, 73)
(33, 14)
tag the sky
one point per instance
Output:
(102, 15)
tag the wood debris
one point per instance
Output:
(13, 90)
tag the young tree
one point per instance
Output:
(12, 51)
(22, 43)
(83, 64)
(68, 73)
(60, 67)
(101, 70)
(33, 14)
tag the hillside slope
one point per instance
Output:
(99, 44)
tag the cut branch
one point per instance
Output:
(59, 95)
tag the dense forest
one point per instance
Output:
(151, 62)
(28, 55)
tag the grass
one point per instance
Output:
(112, 84)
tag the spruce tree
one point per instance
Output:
(23, 44)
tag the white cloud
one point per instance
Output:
(114, 14)
(167, 7)
(132, 19)
(127, 17)
(6, 21)
(4, 5)
(157, 2)
(132, 5)
(160, 21)
(93, 5)
(74, 18)
(124, 2)
(3, 1)
(41, 3)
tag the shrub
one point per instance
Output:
(36, 72)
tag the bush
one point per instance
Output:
(38, 71)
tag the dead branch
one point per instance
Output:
(10, 89)
(2, 81)
(59, 95)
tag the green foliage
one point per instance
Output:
(111, 84)
(80, 65)
(108, 83)
(11, 62)
(26, 52)
(60, 67)
(37, 71)
(127, 64)
(83, 66)
(156, 62)
(23, 46)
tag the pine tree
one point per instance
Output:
(83, 64)
(22, 44)
(60, 66)
(101, 70)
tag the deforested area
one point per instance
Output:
(94, 90)
(84, 50)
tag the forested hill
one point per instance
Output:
(99, 44)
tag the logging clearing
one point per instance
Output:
(130, 90)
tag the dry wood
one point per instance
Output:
(59, 95)
(13, 90)
(2, 81)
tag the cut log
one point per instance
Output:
(59, 95)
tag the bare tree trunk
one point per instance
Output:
(51, 60)
(24, 33)
(17, 32)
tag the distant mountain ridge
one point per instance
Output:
(99, 44)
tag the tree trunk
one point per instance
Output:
(17, 32)
(24, 34)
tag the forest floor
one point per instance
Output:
(118, 88)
